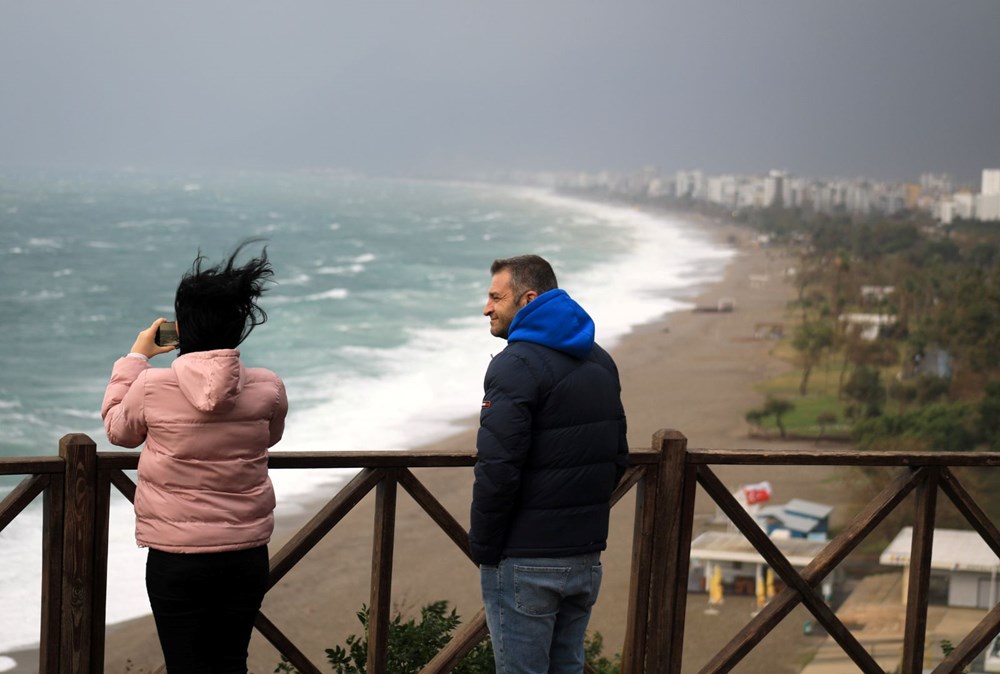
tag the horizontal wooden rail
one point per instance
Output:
(76, 486)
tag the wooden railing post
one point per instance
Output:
(381, 588)
(921, 547)
(53, 514)
(668, 585)
(79, 453)
(661, 550)
(634, 648)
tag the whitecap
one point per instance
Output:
(350, 269)
(332, 294)
(41, 296)
(59, 273)
(334, 226)
(192, 187)
(42, 242)
(101, 245)
(300, 279)
(363, 258)
(93, 415)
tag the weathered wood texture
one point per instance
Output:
(76, 491)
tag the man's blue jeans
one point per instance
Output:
(537, 611)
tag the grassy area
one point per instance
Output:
(821, 397)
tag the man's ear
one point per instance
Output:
(530, 295)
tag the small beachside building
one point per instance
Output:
(963, 566)
(743, 569)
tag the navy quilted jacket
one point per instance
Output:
(551, 444)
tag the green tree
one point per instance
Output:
(824, 419)
(811, 340)
(778, 407)
(865, 388)
(755, 418)
(988, 422)
(941, 427)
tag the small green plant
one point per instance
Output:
(947, 647)
(592, 647)
(413, 643)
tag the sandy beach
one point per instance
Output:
(690, 371)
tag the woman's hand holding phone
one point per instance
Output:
(145, 341)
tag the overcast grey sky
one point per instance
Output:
(881, 88)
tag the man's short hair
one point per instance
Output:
(527, 272)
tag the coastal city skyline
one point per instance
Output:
(936, 193)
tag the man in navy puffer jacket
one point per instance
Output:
(551, 449)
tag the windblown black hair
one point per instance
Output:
(216, 307)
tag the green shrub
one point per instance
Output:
(413, 644)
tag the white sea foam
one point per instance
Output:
(338, 271)
(40, 296)
(332, 294)
(153, 222)
(43, 242)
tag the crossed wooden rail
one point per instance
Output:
(76, 491)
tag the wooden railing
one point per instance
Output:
(922, 473)
(76, 489)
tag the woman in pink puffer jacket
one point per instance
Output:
(204, 502)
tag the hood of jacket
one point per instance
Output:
(555, 320)
(210, 380)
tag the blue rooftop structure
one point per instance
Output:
(801, 518)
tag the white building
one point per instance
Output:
(742, 566)
(867, 325)
(774, 188)
(991, 181)
(960, 558)
(988, 206)
(690, 184)
(965, 205)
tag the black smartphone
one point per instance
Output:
(166, 334)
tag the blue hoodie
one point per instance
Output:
(551, 444)
(555, 320)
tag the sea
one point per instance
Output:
(374, 320)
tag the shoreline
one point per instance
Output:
(685, 370)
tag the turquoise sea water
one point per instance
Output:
(374, 323)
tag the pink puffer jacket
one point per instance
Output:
(207, 422)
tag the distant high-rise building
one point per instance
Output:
(937, 183)
(965, 205)
(774, 189)
(991, 181)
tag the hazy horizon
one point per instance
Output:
(884, 90)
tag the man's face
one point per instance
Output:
(502, 303)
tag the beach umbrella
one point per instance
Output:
(715, 586)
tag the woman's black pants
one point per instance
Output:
(204, 606)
